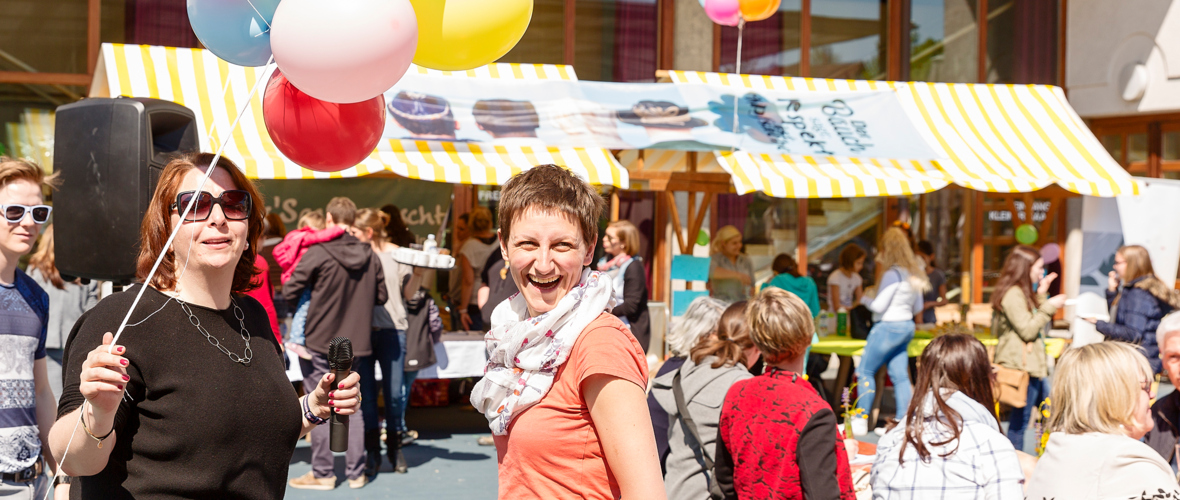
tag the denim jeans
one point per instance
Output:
(887, 345)
(1038, 390)
(299, 321)
(389, 352)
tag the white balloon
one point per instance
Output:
(344, 51)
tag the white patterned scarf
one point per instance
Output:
(524, 353)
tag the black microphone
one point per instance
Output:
(340, 362)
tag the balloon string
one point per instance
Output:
(738, 70)
(188, 208)
(260, 16)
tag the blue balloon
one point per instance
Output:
(235, 30)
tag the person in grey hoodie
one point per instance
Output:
(712, 367)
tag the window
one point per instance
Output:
(769, 47)
(543, 42)
(944, 41)
(615, 40)
(848, 39)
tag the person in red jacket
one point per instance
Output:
(777, 439)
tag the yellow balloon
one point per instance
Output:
(752, 10)
(457, 35)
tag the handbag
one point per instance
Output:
(682, 407)
(1011, 387)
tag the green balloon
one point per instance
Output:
(703, 238)
(1026, 234)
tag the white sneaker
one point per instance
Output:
(860, 426)
(880, 431)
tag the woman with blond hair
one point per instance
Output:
(898, 300)
(471, 260)
(1019, 319)
(1101, 409)
(1138, 301)
(623, 263)
(692, 396)
(731, 275)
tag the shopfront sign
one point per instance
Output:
(423, 204)
(701, 117)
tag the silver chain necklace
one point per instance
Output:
(240, 315)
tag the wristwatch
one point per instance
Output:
(62, 479)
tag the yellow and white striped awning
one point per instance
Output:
(994, 138)
(215, 91)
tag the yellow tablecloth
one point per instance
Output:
(846, 346)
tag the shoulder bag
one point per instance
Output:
(682, 407)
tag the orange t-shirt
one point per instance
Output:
(552, 450)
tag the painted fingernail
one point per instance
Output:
(120, 349)
(120, 387)
(126, 378)
(331, 395)
(123, 362)
(331, 403)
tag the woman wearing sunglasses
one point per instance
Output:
(195, 402)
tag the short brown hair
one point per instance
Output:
(780, 325)
(784, 263)
(157, 223)
(849, 255)
(12, 169)
(550, 188)
(628, 235)
(1138, 263)
(731, 340)
(342, 210)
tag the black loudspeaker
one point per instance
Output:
(108, 154)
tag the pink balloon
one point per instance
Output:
(723, 12)
(344, 51)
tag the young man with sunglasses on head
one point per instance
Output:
(27, 405)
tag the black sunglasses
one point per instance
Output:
(235, 204)
(16, 213)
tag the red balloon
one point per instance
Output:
(320, 135)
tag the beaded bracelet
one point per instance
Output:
(312, 417)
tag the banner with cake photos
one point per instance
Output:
(660, 116)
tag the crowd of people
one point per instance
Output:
(194, 400)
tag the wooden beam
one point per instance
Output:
(30, 78)
(569, 30)
(717, 46)
(805, 38)
(897, 25)
(1062, 29)
(675, 214)
(970, 220)
(93, 34)
(695, 224)
(666, 38)
(614, 205)
(660, 269)
(981, 27)
(692, 215)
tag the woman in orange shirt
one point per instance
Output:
(564, 387)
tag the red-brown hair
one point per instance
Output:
(157, 224)
(1015, 273)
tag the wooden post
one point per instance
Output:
(969, 222)
(977, 248)
(801, 236)
(93, 34)
(805, 38)
(981, 26)
(569, 31)
(922, 216)
(614, 205)
(661, 268)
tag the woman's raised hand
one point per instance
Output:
(1112, 281)
(345, 399)
(104, 374)
(1043, 285)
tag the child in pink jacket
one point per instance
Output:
(311, 231)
